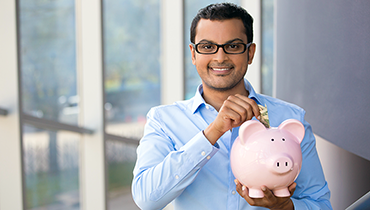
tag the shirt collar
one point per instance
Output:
(198, 98)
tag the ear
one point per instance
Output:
(249, 128)
(192, 50)
(295, 127)
(251, 52)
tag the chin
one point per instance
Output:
(222, 88)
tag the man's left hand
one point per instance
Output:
(269, 200)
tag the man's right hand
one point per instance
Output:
(234, 111)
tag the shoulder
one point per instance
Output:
(280, 110)
(283, 104)
(171, 111)
(173, 121)
(169, 108)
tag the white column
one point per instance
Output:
(172, 38)
(10, 137)
(90, 85)
(254, 70)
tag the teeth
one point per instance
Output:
(221, 69)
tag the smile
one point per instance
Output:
(221, 69)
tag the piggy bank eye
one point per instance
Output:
(272, 139)
(283, 139)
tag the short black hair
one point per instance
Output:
(223, 11)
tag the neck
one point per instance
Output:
(216, 98)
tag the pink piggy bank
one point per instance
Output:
(267, 156)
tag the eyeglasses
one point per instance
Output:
(229, 48)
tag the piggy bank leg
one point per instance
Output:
(256, 193)
(284, 192)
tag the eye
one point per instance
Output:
(272, 139)
(206, 47)
(233, 47)
(283, 139)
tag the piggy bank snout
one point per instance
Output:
(281, 164)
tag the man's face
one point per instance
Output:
(221, 71)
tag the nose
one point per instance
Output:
(220, 55)
(281, 164)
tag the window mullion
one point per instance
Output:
(254, 70)
(172, 27)
(90, 90)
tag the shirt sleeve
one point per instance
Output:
(312, 190)
(162, 172)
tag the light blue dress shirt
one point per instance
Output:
(175, 162)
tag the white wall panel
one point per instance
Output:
(10, 136)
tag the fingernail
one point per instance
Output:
(263, 188)
(259, 117)
(243, 188)
(236, 182)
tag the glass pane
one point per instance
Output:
(121, 159)
(267, 45)
(48, 59)
(131, 63)
(51, 167)
(192, 79)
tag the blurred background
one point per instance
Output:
(78, 77)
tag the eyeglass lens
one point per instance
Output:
(210, 48)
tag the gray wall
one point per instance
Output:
(347, 174)
(323, 65)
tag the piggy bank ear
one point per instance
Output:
(295, 127)
(248, 128)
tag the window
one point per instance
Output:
(48, 59)
(49, 92)
(51, 167)
(132, 85)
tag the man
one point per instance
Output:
(184, 154)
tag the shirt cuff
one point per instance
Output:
(200, 150)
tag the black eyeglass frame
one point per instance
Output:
(246, 46)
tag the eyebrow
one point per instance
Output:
(230, 41)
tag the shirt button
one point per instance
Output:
(203, 153)
(177, 177)
(233, 192)
(208, 157)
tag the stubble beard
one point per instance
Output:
(223, 89)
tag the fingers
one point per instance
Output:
(255, 109)
(241, 189)
(292, 187)
(267, 193)
(234, 111)
(239, 109)
(244, 192)
(269, 200)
